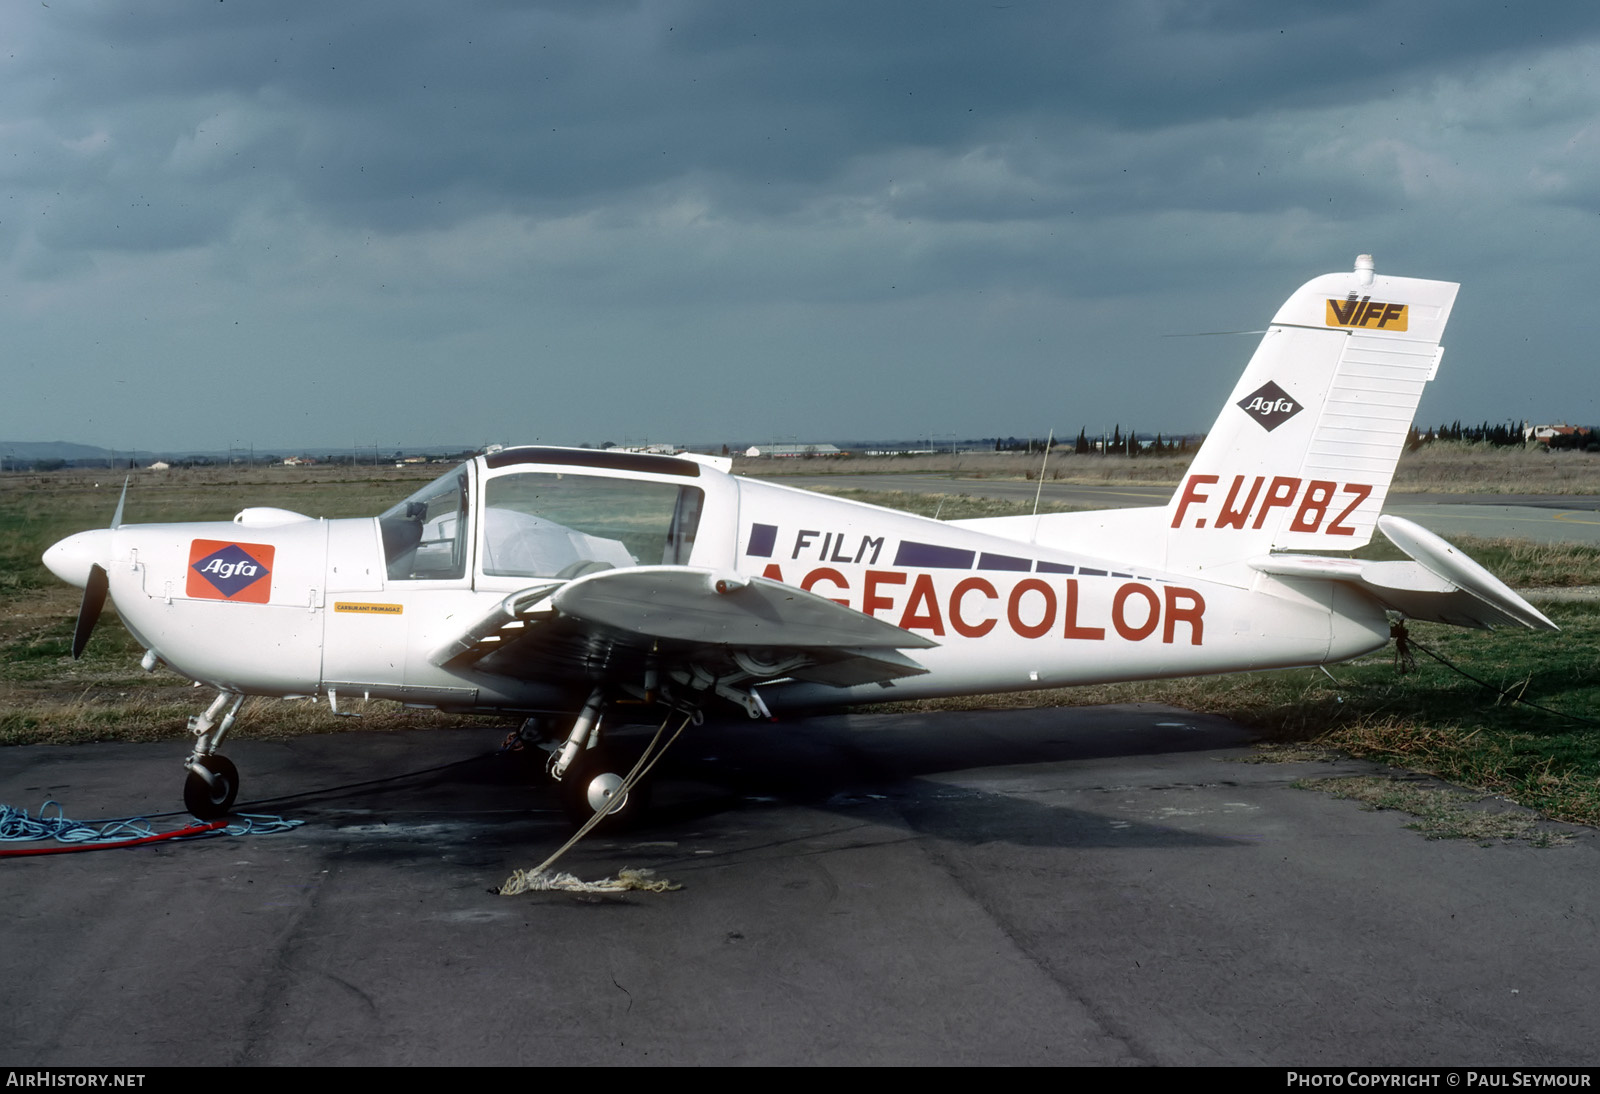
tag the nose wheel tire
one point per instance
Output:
(591, 783)
(211, 798)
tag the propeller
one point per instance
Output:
(95, 589)
(94, 599)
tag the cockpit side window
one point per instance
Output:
(424, 537)
(548, 524)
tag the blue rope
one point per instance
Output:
(17, 826)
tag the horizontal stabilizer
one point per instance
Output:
(1439, 585)
(1446, 562)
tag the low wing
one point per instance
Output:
(1439, 585)
(709, 628)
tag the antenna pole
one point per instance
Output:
(1040, 488)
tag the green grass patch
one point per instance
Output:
(1441, 812)
(942, 506)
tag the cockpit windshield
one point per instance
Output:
(550, 524)
(425, 536)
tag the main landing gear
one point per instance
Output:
(594, 783)
(596, 789)
(587, 778)
(213, 782)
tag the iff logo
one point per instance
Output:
(1367, 313)
(220, 570)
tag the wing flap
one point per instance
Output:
(859, 666)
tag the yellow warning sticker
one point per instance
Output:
(367, 609)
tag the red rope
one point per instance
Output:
(192, 830)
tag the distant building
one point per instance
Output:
(1543, 433)
(650, 449)
(792, 451)
(161, 465)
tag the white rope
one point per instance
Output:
(537, 879)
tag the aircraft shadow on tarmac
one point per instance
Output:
(920, 771)
(890, 765)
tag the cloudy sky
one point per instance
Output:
(297, 224)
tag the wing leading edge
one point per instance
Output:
(619, 622)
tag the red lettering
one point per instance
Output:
(1072, 629)
(1191, 493)
(1014, 615)
(1314, 507)
(1190, 611)
(1119, 611)
(773, 572)
(1339, 527)
(825, 573)
(871, 601)
(963, 628)
(1279, 494)
(928, 619)
(1235, 518)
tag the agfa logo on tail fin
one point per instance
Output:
(1270, 405)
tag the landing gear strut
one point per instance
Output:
(589, 781)
(213, 782)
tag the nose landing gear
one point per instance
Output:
(211, 787)
(213, 782)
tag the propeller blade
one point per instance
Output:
(94, 599)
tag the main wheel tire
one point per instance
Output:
(590, 783)
(213, 799)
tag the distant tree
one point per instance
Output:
(1081, 447)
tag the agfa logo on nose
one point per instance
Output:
(1270, 405)
(220, 570)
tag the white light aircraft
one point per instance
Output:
(553, 581)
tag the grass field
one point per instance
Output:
(1430, 720)
(1445, 467)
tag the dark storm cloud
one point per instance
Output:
(404, 115)
(611, 208)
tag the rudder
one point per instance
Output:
(1303, 453)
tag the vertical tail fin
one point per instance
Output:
(1302, 455)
